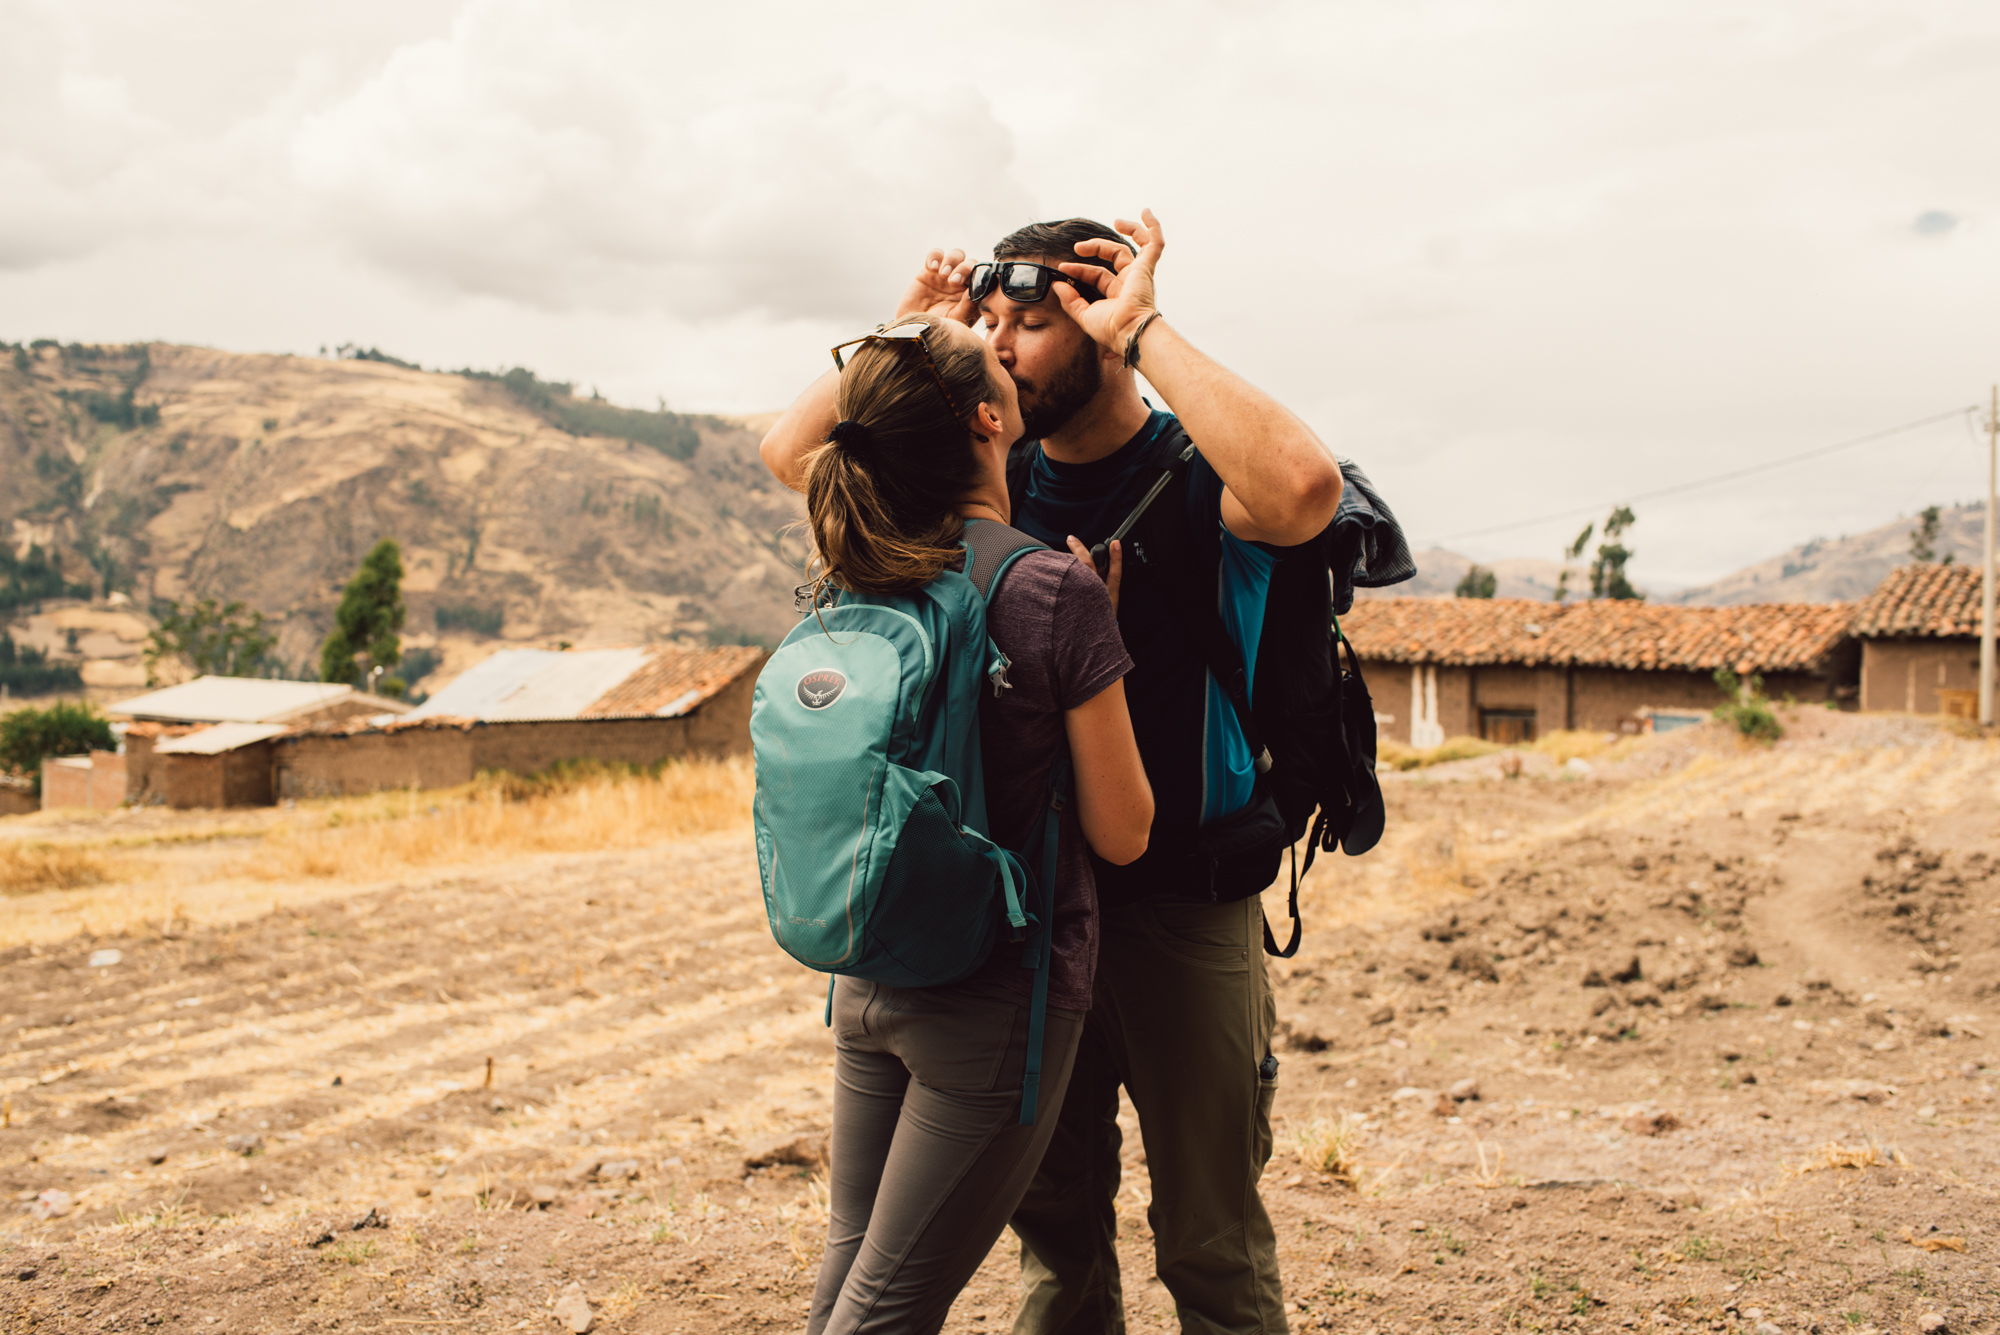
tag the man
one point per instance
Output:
(1182, 1012)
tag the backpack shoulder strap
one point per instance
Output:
(991, 547)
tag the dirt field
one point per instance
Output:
(1726, 1013)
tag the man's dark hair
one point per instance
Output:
(1057, 240)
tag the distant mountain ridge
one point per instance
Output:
(1841, 569)
(1824, 570)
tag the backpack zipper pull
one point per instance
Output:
(997, 672)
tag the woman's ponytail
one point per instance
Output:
(882, 491)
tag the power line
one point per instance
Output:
(1679, 487)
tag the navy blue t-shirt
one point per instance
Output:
(1195, 756)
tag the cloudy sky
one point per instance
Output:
(1518, 257)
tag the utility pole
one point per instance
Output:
(1986, 585)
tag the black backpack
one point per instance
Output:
(1313, 725)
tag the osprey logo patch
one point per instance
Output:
(819, 689)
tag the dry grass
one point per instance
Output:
(504, 817)
(179, 869)
(1397, 756)
(1331, 1146)
(27, 869)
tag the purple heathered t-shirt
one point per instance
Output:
(1054, 621)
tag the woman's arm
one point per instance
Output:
(804, 425)
(1113, 800)
(938, 288)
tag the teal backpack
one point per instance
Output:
(872, 838)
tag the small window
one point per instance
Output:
(1507, 727)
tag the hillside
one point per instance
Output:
(1840, 569)
(174, 472)
(1439, 571)
(1820, 571)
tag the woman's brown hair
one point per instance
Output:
(881, 493)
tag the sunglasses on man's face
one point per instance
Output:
(913, 332)
(1024, 281)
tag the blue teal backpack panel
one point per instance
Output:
(870, 811)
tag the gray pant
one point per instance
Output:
(929, 1157)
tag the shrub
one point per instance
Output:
(31, 578)
(26, 670)
(27, 736)
(1479, 582)
(672, 434)
(470, 616)
(1748, 710)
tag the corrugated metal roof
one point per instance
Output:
(1921, 602)
(675, 680)
(233, 700)
(1476, 632)
(526, 685)
(222, 737)
(520, 685)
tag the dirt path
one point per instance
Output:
(1817, 940)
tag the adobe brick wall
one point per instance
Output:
(1905, 676)
(98, 785)
(336, 765)
(367, 762)
(189, 782)
(1389, 688)
(239, 778)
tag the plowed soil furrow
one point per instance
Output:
(1697, 1042)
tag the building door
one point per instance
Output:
(1507, 727)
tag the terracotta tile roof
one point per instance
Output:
(1474, 632)
(674, 680)
(1450, 632)
(1920, 601)
(1755, 637)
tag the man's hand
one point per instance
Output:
(1111, 577)
(1128, 295)
(939, 288)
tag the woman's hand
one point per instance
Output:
(940, 288)
(1111, 576)
(1128, 296)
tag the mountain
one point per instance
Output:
(1841, 569)
(525, 514)
(1439, 571)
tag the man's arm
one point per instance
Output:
(1282, 483)
(938, 288)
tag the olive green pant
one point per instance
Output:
(1181, 1017)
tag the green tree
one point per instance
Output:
(1479, 582)
(65, 728)
(1607, 572)
(367, 621)
(209, 637)
(1923, 538)
(1571, 555)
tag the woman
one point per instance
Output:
(928, 1158)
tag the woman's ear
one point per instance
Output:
(986, 422)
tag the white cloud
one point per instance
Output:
(1514, 254)
(563, 164)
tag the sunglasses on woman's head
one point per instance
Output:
(1024, 281)
(912, 332)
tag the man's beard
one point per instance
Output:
(1064, 396)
